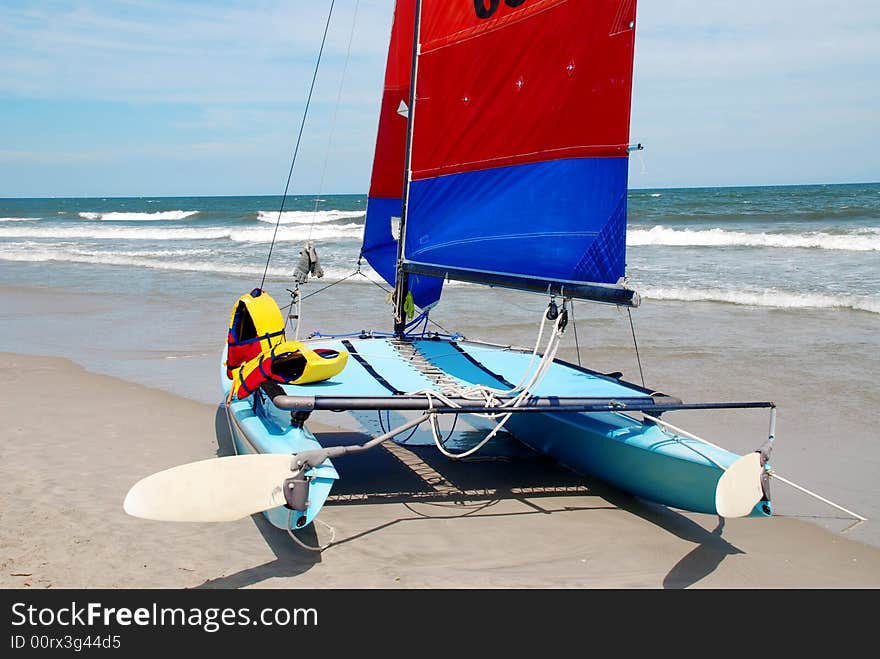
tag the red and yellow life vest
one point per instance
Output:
(255, 325)
(290, 362)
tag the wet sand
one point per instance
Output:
(401, 517)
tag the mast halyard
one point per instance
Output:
(401, 279)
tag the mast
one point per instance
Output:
(401, 281)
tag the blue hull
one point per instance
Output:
(261, 428)
(634, 457)
(637, 457)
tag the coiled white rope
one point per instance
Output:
(489, 396)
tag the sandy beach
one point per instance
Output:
(76, 441)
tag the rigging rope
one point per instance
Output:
(636, 344)
(577, 345)
(335, 115)
(298, 140)
(321, 290)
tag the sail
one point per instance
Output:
(384, 207)
(519, 144)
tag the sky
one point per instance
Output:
(180, 97)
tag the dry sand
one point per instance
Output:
(74, 442)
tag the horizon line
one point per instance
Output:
(366, 194)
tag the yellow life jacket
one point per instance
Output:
(255, 325)
(290, 362)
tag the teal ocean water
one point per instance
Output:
(783, 247)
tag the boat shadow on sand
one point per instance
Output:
(416, 473)
(290, 560)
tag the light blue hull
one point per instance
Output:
(261, 428)
(637, 457)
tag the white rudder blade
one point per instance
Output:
(739, 488)
(215, 490)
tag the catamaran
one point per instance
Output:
(501, 160)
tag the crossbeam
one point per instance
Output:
(533, 404)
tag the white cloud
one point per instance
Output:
(179, 52)
(753, 92)
(724, 93)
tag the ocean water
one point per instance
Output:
(764, 293)
(779, 247)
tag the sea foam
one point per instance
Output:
(307, 217)
(166, 260)
(240, 235)
(860, 241)
(138, 217)
(766, 298)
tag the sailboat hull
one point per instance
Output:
(256, 426)
(631, 454)
(637, 458)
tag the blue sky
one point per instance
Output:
(172, 97)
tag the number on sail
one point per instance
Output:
(486, 12)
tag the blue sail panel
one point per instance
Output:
(557, 220)
(379, 246)
(380, 250)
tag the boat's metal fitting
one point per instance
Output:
(296, 492)
(298, 419)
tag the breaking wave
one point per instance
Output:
(163, 260)
(307, 217)
(865, 240)
(20, 219)
(138, 217)
(246, 235)
(767, 298)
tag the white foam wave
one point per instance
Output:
(93, 232)
(298, 233)
(307, 217)
(115, 259)
(861, 241)
(246, 235)
(766, 298)
(146, 253)
(138, 217)
(20, 219)
(160, 260)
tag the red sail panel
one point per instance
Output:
(388, 160)
(385, 205)
(502, 85)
